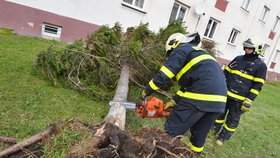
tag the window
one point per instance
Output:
(245, 4)
(211, 28)
(276, 24)
(51, 30)
(135, 3)
(264, 13)
(232, 36)
(265, 48)
(178, 12)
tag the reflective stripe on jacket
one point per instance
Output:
(202, 82)
(245, 77)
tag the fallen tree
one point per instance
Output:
(111, 56)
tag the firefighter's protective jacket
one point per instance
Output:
(202, 82)
(245, 77)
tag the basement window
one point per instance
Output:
(49, 30)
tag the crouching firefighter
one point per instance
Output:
(202, 94)
(245, 76)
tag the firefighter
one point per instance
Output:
(202, 94)
(245, 76)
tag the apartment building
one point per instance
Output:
(226, 22)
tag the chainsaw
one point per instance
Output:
(149, 107)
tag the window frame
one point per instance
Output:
(245, 4)
(132, 5)
(49, 34)
(178, 12)
(277, 56)
(264, 13)
(265, 48)
(276, 24)
(233, 36)
(210, 33)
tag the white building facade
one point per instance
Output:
(226, 22)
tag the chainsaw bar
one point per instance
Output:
(128, 105)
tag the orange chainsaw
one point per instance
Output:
(150, 107)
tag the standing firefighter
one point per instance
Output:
(202, 94)
(245, 77)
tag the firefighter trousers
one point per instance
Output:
(184, 118)
(227, 123)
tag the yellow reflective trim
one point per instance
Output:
(203, 97)
(237, 72)
(219, 121)
(228, 69)
(196, 149)
(250, 77)
(192, 63)
(235, 96)
(256, 79)
(167, 72)
(229, 129)
(153, 86)
(254, 91)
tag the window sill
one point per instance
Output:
(245, 10)
(207, 38)
(134, 8)
(261, 21)
(231, 44)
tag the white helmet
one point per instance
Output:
(178, 38)
(254, 42)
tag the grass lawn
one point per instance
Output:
(28, 104)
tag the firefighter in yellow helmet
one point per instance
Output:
(202, 94)
(245, 76)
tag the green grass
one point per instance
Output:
(28, 104)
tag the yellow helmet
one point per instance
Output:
(254, 42)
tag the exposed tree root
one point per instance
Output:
(107, 141)
(111, 142)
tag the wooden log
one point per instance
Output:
(117, 111)
(32, 140)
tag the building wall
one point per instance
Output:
(28, 21)
(157, 14)
(107, 12)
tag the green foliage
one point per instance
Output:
(173, 27)
(97, 66)
(209, 46)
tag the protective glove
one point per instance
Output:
(246, 105)
(170, 104)
(143, 94)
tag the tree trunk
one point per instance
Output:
(117, 111)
